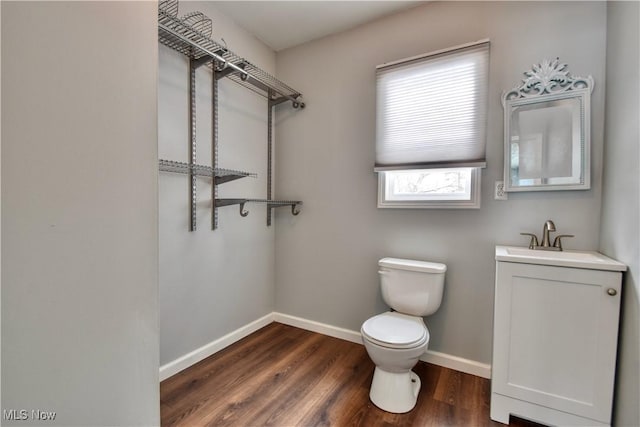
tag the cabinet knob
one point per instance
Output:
(612, 292)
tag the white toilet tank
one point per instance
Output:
(412, 287)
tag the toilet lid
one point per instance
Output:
(395, 330)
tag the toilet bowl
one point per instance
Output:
(395, 343)
(395, 340)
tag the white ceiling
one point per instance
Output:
(284, 24)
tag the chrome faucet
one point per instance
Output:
(548, 226)
(546, 242)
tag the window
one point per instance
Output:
(430, 128)
(433, 188)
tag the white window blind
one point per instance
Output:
(431, 110)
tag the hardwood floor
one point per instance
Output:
(285, 376)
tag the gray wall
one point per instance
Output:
(0, 215)
(213, 282)
(620, 230)
(326, 257)
(79, 212)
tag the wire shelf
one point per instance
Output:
(195, 42)
(169, 7)
(221, 175)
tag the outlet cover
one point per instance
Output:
(499, 193)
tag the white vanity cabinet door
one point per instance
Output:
(555, 340)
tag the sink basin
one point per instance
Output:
(577, 259)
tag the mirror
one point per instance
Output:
(547, 130)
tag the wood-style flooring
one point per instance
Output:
(286, 376)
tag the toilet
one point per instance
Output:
(395, 340)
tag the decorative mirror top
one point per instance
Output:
(548, 77)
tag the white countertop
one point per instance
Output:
(577, 259)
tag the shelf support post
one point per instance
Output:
(192, 143)
(270, 95)
(214, 147)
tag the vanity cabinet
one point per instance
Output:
(555, 341)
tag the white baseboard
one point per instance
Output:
(321, 328)
(215, 346)
(457, 363)
(441, 359)
(434, 357)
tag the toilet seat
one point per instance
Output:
(395, 330)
